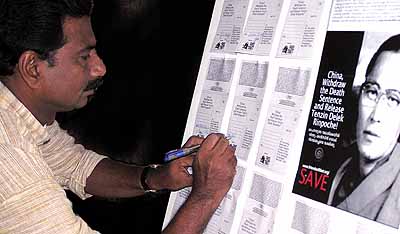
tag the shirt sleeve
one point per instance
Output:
(31, 201)
(71, 163)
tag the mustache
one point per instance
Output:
(94, 84)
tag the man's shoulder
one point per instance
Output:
(11, 131)
(20, 166)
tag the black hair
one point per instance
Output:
(35, 25)
(391, 44)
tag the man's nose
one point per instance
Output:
(97, 68)
(380, 109)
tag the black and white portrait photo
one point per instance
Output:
(367, 183)
(361, 167)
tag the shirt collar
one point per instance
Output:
(37, 131)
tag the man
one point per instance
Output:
(368, 183)
(48, 64)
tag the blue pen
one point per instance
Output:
(178, 153)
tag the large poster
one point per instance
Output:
(308, 92)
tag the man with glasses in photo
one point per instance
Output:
(367, 183)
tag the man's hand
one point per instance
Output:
(213, 168)
(174, 175)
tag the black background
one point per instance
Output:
(140, 111)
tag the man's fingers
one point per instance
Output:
(214, 142)
(188, 180)
(186, 161)
(230, 152)
(234, 162)
(211, 140)
(221, 147)
(184, 181)
(232, 149)
(193, 140)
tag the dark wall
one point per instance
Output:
(184, 35)
(140, 111)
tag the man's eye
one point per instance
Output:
(393, 100)
(371, 92)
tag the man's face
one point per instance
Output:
(76, 64)
(378, 124)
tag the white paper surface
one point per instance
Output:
(260, 27)
(283, 113)
(230, 25)
(259, 212)
(247, 106)
(214, 96)
(301, 26)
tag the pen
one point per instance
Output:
(178, 153)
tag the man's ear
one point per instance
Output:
(28, 68)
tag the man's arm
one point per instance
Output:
(115, 179)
